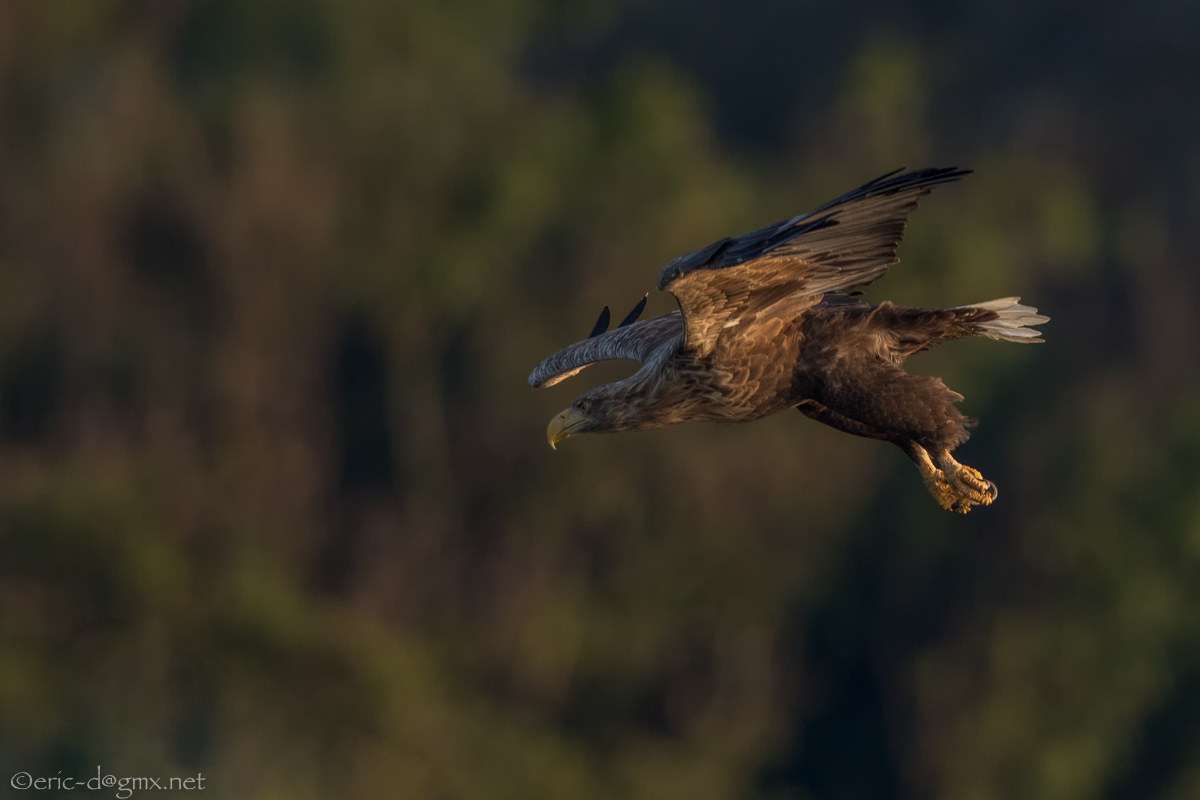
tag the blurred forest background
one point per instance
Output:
(276, 504)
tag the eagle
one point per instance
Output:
(770, 321)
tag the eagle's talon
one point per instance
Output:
(942, 492)
(972, 479)
(967, 483)
(955, 487)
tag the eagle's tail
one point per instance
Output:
(1011, 321)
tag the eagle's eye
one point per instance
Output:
(585, 405)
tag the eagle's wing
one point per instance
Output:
(845, 243)
(637, 341)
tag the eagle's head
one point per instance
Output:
(609, 408)
(586, 415)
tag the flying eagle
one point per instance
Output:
(768, 321)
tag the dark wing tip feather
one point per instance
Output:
(895, 182)
(632, 316)
(601, 324)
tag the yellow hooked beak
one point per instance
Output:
(564, 425)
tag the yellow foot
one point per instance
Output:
(955, 487)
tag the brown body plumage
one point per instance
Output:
(765, 325)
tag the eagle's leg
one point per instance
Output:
(967, 481)
(954, 486)
(935, 479)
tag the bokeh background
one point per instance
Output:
(276, 504)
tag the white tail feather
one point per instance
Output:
(1012, 321)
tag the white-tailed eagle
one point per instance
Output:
(767, 322)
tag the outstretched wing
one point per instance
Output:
(848, 242)
(638, 341)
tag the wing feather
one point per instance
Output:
(637, 341)
(846, 243)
